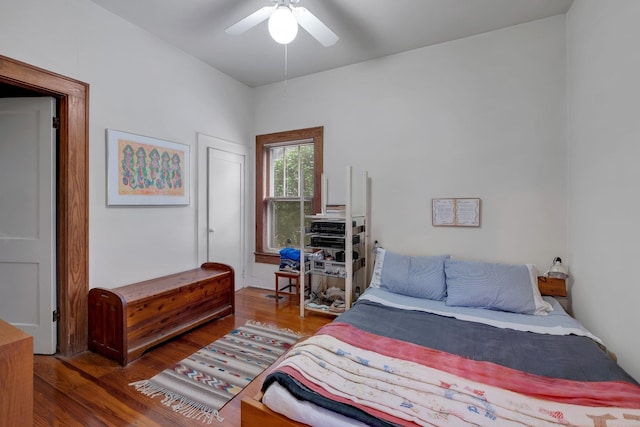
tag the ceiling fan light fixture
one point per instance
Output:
(283, 26)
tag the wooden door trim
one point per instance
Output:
(73, 208)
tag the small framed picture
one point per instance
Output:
(455, 212)
(146, 171)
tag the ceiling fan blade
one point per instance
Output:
(251, 21)
(315, 27)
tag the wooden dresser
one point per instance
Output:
(124, 322)
(16, 376)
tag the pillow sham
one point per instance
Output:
(494, 286)
(377, 268)
(415, 276)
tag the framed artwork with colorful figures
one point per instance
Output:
(146, 171)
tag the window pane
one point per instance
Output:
(276, 172)
(285, 222)
(290, 167)
(306, 152)
(284, 170)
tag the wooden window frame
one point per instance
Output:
(262, 181)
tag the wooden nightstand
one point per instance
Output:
(556, 288)
(552, 286)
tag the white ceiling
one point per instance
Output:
(367, 29)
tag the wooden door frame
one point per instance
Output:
(73, 208)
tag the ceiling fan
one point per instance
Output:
(284, 18)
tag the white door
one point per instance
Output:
(27, 218)
(225, 210)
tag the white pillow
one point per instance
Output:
(542, 307)
(377, 268)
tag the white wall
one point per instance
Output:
(480, 117)
(604, 176)
(141, 85)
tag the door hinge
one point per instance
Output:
(56, 122)
(56, 315)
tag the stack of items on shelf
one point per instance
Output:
(289, 259)
(331, 300)
(335, 211)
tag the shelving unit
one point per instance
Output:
(342, 239)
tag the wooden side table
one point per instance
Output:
(293, 280)
(556, 288)
(552, 286)
(16, 376)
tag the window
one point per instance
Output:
(279, 159)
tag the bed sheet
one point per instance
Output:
(278, 399)
(557, 322)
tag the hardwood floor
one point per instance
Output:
(90, 390)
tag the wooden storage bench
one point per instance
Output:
(124, 322)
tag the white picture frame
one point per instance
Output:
(455, 212)
(142, 170)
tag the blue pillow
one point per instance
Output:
(494, 286)
(415, 276)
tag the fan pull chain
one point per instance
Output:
(286, 63)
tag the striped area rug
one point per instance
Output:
(199, 385)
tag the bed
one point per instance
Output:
(436, 341)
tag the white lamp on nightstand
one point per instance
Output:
(557, 269)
